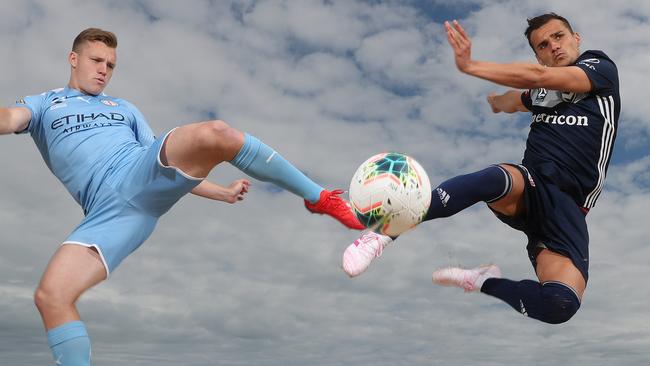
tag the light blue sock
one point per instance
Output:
(70, 344)
(263, 163)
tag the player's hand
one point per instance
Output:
(236, 190)
(491, 99)
(460, 43)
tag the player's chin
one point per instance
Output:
(563, 61)
(95, 90)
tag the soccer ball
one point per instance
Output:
(390, 193)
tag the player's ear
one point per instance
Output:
(73, 59)
(578, 38)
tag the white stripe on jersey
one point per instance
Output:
(607, 110)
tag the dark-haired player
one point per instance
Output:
(574, 100)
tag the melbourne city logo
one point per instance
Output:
(109, 102)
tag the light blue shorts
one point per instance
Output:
(128, 204)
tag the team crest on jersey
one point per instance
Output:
(109, 102)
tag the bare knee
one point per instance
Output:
(218, 136)
(47, 298)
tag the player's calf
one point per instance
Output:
(550, 302)
(70, 344)
(559, 302)
(458, 193)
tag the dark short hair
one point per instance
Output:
(540, 20)
(94, 35)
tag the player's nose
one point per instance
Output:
(102, 68)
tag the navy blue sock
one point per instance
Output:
(551, 302)
(461, 192)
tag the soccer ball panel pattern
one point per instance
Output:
(390, 193)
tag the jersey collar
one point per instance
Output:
(72, 92)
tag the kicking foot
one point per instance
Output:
(358, 256)
(470, 280)
(331, 204)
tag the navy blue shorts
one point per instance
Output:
(552, 220)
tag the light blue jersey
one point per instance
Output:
(83, 137)
(104, 152)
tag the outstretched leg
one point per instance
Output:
(72, 270)
(554, 299)
(501, 186)
(197, 148)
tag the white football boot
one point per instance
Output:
(358, 256)
(469, 280)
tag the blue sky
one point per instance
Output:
(328, 84)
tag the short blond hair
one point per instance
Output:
(94, 35)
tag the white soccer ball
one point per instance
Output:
(390, 193)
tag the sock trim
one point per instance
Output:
(247, 152)
(66, 332)
(508, 184)
(563, 285)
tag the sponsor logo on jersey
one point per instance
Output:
(588, 62)
(109, 102)
(78, 119)
(561, 119)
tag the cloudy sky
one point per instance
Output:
(327, 83)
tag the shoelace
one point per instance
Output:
(364, 244)
(469, 280)
(468, 284)
(334, 200)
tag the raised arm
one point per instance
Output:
(14, 119)
(514, 75)
(231, 194)
(508, 102)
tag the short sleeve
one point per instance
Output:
(601, 71)
(526, 100)
(35, 104)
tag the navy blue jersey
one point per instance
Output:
(572, 134)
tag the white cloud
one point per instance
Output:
(327, 84)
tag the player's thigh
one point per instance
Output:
(72, 270)
(511, 204)
(552, 266)
(196, 148)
